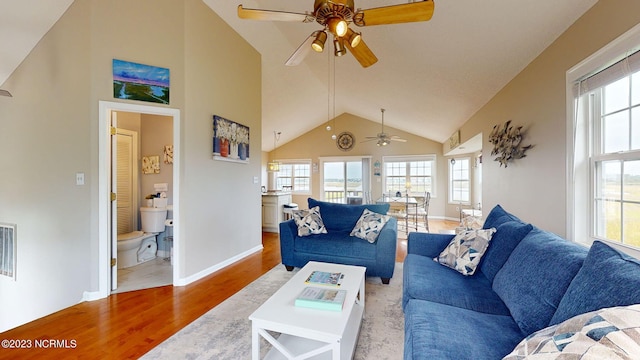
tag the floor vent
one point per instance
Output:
(8, 250)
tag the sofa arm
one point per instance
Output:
(288, 234)
(426, 244)
(387, 244)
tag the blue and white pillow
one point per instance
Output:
(309, 222)
(465, 250)
(610, 333)
(369, 225)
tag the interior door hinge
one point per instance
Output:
(114, 130)
(113, 196)
(114, 261)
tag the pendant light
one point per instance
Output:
(274, 165)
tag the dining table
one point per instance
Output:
(402, 207)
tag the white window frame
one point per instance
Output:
(366, 178)
(581, 139)
(310, 177)
(468, 180)
(410, 158)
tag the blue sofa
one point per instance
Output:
(337, 246)
(527, 280)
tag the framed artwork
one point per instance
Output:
(230, 140)
(151, 164)
(140, 82)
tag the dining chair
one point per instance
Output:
(422, 210)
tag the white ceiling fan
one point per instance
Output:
(382, 138)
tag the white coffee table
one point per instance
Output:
(306, 333)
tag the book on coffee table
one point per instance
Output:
(318, 298)
(325, 278)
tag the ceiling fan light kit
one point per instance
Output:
(320, 40)
(335, 17)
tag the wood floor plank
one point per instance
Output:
(128, 325)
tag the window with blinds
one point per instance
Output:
(8, 250)
(606, 144)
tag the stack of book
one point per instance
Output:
(317, 297)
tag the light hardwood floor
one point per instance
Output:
(127, 325)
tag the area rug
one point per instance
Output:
(225, 331)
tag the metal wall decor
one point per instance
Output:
(506, 143)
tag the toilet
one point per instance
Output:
(138, 247)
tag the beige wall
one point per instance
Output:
(534, 188)
(50, 129)
(318, 143)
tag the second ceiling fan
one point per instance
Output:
(382, 138)
(335, 16)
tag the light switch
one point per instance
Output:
(255, 179)
(79, 178)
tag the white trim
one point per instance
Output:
(104, 231)
(208, 271)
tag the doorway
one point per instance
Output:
(107, 222)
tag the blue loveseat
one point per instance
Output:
(527, 280)
(337, 246)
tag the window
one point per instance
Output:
(604, 203)
(295, 173)
(345, 180)
(615, 120)
(459, 181)
(415, 174)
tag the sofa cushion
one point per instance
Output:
(439, 331)
(309, 221)
(498, 216)
(369, 225)
(506, 238)
(610, 333)
(425, 279)
(535, 277)
(342, 217)
(464, 252)
(335, 243)
(607, 278)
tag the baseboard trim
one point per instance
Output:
(208, 271)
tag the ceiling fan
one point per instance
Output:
(335, 16)
(382, 138)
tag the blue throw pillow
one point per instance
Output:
(506, 238)
(497, 217)
(608, 278)
(536, 276)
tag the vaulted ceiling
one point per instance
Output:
(431, 77)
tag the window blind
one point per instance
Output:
(610, 73)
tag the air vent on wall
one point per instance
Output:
(8, 250)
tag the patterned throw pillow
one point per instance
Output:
(309, 221)
(369, 225)
(465, 250)
(611, 333)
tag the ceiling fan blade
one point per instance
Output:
(302, 50)
(397, 139)
(362, 53)
(395, 14)
(5, 93)
(273, 15)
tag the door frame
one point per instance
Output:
(105, 108)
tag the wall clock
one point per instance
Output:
(345, 141)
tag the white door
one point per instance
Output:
(127, 179)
